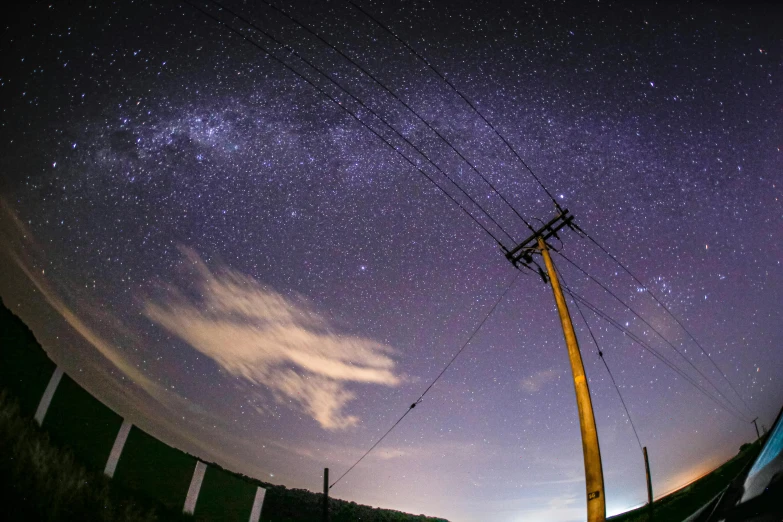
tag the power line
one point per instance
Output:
(655, 330)
(354, 116)
(538, 180)
(601, 356)
(464, 98)
(606, 317)
(401, 101)
(421, 397)
(676, 319)
(603, 315)
(429, 178)
(360, 102)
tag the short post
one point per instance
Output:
(326, 495)
(649, 482)
(758, 435)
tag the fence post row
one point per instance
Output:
(119, 445)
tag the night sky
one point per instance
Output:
(234, 263)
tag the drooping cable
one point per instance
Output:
(606, 365)
(400, 100)
(363, 105)
(437, 378)
(633, 337)
(615, 324)
(464, 98)
(668, 311)
(508, 145)
(642, 319)
(606, 317)
(354, 116)
(538, 180)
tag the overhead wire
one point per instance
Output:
(354, 116)
(400, 100)
(321, 91)
(603, 360)
(436, 379)
(424, 60)
(454, 200)
(310, 64)
(464, 98)
(647, 323)
(666, 308)
(647, 347)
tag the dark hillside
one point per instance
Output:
(55, 472)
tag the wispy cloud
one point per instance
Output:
(538, 380)
(272, 340)
(105, 348)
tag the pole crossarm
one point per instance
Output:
(523, 252)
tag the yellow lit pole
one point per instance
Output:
(594, 475)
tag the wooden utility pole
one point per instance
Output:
(325, 517)
(758, 435)
(594, 475)
(649, 482)
(523, 254)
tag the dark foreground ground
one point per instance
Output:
(40, 481)
(684, 502)
(54, 473)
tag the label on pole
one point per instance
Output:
(594, 495)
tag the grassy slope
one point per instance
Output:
(43, 477)
(40, 481)
(684, 502)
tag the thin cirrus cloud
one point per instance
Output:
(270, 340)
(538, 380)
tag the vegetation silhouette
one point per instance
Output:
(54, 473)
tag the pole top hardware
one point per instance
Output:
(523, 252)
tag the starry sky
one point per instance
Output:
(232, 261)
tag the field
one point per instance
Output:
(684, 502)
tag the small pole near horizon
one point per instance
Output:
(649, 482)
(326, 495)
(758, 435)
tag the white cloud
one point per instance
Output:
(274, 341)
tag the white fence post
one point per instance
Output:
(195, 487)
(258, 503)
(46, 400)
(116, 450)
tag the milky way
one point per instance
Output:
(232, 261)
